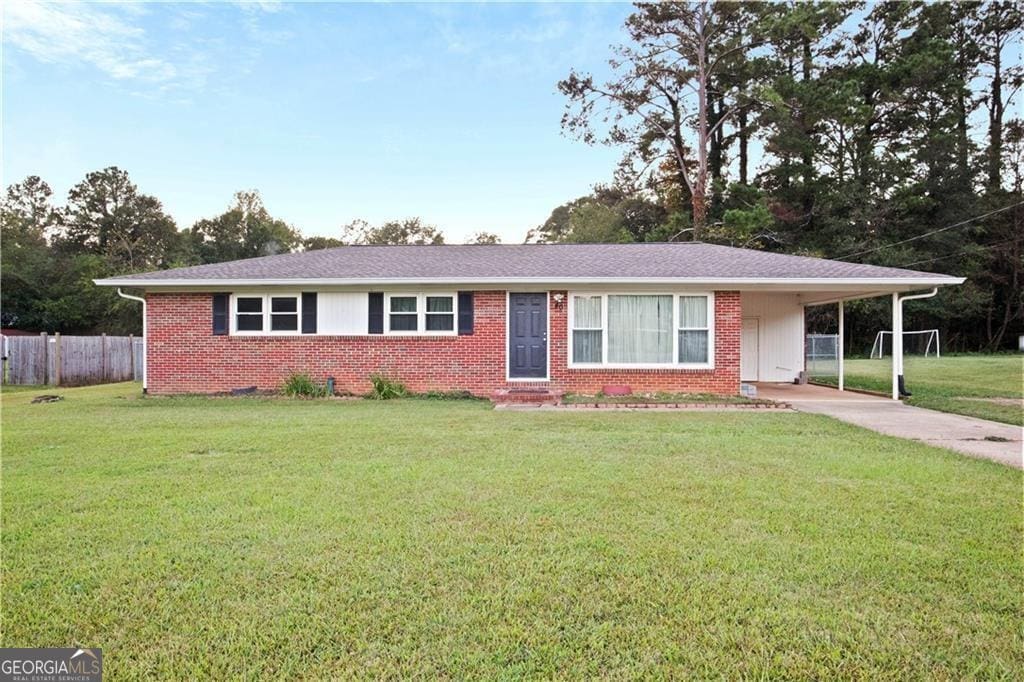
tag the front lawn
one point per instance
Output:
(244, 537)
(985, 386)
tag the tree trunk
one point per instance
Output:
(715, 142)
(700, 182)
(960, 103)
(716, 151)
(700, 211)
(807, 157)
(995, 121)
(744, 140)
(988, 325)
(864, 145)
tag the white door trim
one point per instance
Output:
(757, 349)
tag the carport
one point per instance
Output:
(774, 322)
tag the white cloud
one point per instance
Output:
(179, 55)
(180, 49)
(81, 33)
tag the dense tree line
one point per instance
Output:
(50, 254)
(876, 125)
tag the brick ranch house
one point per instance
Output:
(681, 317)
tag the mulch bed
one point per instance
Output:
(677, 406)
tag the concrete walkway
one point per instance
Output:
(953, 431)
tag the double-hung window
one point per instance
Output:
(284, 314)
(587, 326)
(266, 314)
(249, 314)
(403, 316)
(440, 313)
(420, 314)
(641, 330)
(693, 329)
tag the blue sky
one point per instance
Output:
(333, 111)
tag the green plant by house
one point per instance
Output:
(386, 388)
(301, 385)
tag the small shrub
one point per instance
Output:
(302, 386)
(384, 388)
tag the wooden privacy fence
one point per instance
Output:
(72, 360)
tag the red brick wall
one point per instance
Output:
(183, 356)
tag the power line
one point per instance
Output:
(928, 234)
(960, 253)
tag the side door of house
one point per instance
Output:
(750, 343)
(528, 336)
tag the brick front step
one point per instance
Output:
(533, 396)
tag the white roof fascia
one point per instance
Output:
(573, 281)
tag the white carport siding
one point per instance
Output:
(772, 342)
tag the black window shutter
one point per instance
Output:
(309, 312)
(465, 313)
(220, 314)
(376, 312)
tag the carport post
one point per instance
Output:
(842, 347)
(897, 344)
(898, 388)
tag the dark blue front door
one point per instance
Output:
(528, 336)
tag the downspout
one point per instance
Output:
(145, 336)
(897, 357)
(842, 345)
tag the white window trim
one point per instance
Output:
(266, 331)
(573, 328)
(675, 364)
(680, 328)
(421, 313)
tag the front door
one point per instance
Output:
(749, 349)
(528, 336)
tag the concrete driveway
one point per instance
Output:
(974, 437)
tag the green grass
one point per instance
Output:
(246, 538)
(964, 384)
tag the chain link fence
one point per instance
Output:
(821, 352)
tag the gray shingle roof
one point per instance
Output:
(689, 261)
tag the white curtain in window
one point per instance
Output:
(403, 304)
(439, 304)
(640, 329)
(693, 312)
(586, 345)
(587, 312)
